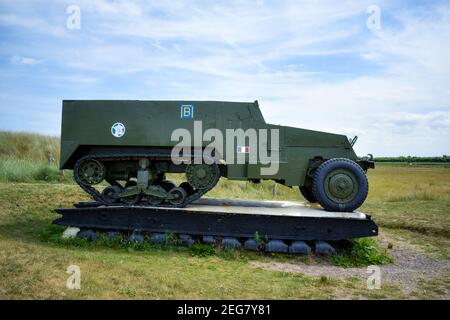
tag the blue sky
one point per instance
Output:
(311, 64)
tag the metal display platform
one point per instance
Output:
(283, 220)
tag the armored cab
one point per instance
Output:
(131, 145)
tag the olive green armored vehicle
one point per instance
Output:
(120, 152)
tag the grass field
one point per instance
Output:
(411, 204)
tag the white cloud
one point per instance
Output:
(25, 60)
(75, 78)
(33, 24)
(289, 55)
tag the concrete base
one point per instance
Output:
(70, 232)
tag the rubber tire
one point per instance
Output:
(307, 194)
(319, 189)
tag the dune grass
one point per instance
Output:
(22, 170)
(24, 158)
(28, 146)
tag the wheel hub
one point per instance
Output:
(341, 185)
(177, 196)
(111, 194)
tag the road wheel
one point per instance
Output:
(340, 185)
(308, 194)
(178, 194)
(111, 194)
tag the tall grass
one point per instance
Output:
(17, 170)
(24, 158)
(28, 146)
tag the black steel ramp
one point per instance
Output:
(282, 220)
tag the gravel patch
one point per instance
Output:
(408, 267)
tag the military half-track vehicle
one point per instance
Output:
(120, 152)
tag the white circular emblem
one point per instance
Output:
(118, 130)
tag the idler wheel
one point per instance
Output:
(200, 176)
(178, 195)
(90, 171)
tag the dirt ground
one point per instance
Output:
(410, 267)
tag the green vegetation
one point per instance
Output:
(24, 157)
(411, 204)
(52, 234)
(33, 258)
(202, 250)
(259, 240)
(410, 159)
(19, 170)
(363, 252)
(28, 146)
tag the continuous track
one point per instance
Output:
(96, 195)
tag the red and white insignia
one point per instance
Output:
(243, 149)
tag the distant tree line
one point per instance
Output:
(444, 158)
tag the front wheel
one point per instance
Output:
(340, 185)
(308, 194)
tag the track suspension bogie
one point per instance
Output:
(141, 180)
